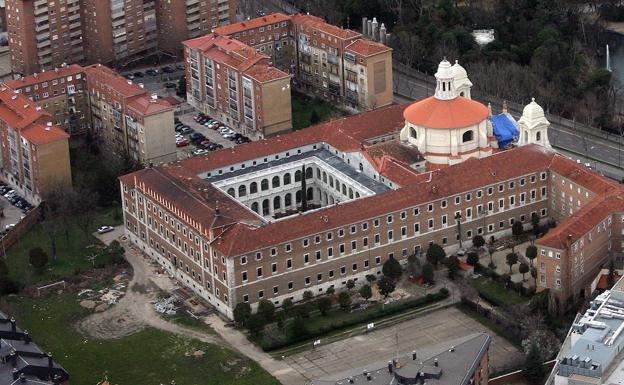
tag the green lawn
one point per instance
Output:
(71, 250)
(496, 292)
(302, 107)
(149, 357)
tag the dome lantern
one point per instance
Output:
(445, 87)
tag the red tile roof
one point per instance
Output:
(110, 79)
(250, 24)
(45, 76)
(323, 26)
(393, 160)
(466, 176)
(365, 47)
(264, 73)
(42, 134)
(455, 113)
(603, 282)
(146, 105)
(580, 223)
(226, 50)
(18, 111)
(582, 175)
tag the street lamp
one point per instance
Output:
(458, 222)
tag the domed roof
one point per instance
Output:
(533, 111)
(459, 72)
(454, 113)
(445, 71)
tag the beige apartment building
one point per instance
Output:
(127, 119)
(337, 64)
(45, 34)
(34, 152)
(234, 83)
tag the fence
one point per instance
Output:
(514, 377)
(21, 228)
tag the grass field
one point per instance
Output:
(149, 357)
(497, 291)
(71, 250)
(302, 107)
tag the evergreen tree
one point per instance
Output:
(242, 312)
(392, 269)
(533, 369)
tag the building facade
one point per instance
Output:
(232, 82)
(127, 119)
(35, 153)
(337, 64)
(62, 93)
(45, 34)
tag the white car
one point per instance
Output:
(105, 229)
(200, 151)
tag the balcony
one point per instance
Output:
(334, 88)
(352, 96)
(332, 59)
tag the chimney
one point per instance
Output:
(13, 327)
(368, 377)
(452, 349)
(129, 81)
(413, 355)
(390, 365)
(13, 358)
(56, 380)
(141, 85)
(22, 377)
(435, 363)
(27, 338)
(56, 69)
(38, 108)
(382, 33)
(15, 373)
(364, 23)
(50, 360)
(351, 380)
(35, 75)
(504, 106)
(375, 34)
(369, 28)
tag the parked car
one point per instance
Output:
(200, 151)
(170, 85)
(204, 143)
(186, 130)
(105, 229)
(152, 72)
(182, 143)
(138, 74)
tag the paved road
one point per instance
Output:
(423, 334)
(573, 143)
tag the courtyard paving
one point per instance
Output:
(420, 334)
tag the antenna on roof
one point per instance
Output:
(217, 211)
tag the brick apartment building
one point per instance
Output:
(338, 64)
(62, 93)
(45, 34)
(232, 82)
(34, 152)
(129, 120)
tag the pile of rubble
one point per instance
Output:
(166, 305)
(101, 300)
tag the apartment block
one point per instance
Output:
(337, 64)
(43, 34)
(34, 152)
(179, 20)
(234, 83)
(127, 119)
(62, 93)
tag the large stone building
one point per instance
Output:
(338, 64)
(240, 225)
(34, 152)
(45, 34)
(232, 82)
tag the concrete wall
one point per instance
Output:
(158, 134)
(276, 107)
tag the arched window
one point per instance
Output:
(361, 167)
(254, 207)
(324, 177)
(253, 188)
(265, 207)
(309, 173)
(344, 190)
(275, 182)
(468, 136)
(526, 136)
(298, 196)
(286, 179)
(318, 173)
(231, 192)
(331, 181)
(277, 203)
(538, 136)
(298, 176)
(350, 193)
(357, 194)
(338, 186)
(242, 190)
(461, 94)
(264, 185)
(331, 200)
(413, 133)
(310, 193)
(287, 200)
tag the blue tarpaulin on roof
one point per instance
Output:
(505, 129)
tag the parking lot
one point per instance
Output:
(211, 135)
(425, 334)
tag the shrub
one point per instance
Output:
(242, 311)
(478, 241)
(427, 273)
(444, 292)
(323, 304)
(330, 291)
(287, 306)
(472, 258)
(38, 258)
(366, 292)
(266, 309)
(392, 269)
(256, 323)
(350, 284)
(344, 299)
(453, 266)
(307, 296)
(298, 329)
(8, 286)
(386, 286)
(435, 254)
